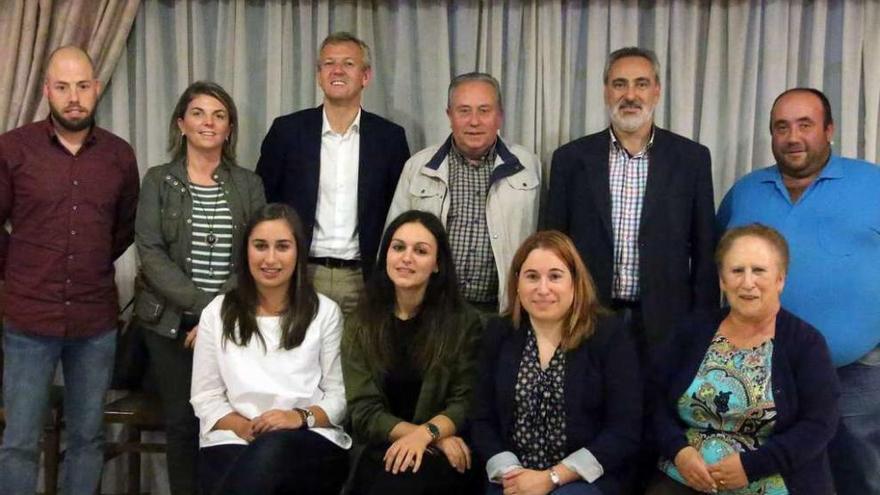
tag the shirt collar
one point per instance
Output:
(488, 157)
(354, 127)
(90, 139)
(834, 169)
(619, 147)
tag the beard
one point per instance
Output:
(630, 123)
(72, 125)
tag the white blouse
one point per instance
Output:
(252, 380)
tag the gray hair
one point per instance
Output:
(346, 37)
(632, 51)
(470, 77)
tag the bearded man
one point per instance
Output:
(637, 201)
(69, 189)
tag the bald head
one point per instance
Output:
(71, 88)
(67, 56)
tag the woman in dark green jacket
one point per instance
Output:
(408, 360)
(191, 213)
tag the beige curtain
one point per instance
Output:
(31, 29)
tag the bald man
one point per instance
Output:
(69, 190)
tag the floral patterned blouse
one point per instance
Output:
(729, 408)
(539, 398)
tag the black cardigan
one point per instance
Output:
(805, 390)
(603, 396)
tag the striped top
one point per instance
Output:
(211, 221)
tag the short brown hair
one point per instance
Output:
(768, 234)
(585, 308)
(177, 142)
(346, 37)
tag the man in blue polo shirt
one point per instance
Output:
(828, 208)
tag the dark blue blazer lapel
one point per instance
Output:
(659, 175)
(597, 170)
(310, 174)
(508, 366)
(366, 156)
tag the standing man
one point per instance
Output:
(484, 191)
(337, 166)
(637, 201)
(828, 209)
(69, 189)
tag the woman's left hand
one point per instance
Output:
(277, 419)
(527, 482)
(407, 451)
(729, 473)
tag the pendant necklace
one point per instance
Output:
(210, 238)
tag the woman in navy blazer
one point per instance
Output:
(558, 402)
(746, 396)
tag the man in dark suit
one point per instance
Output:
(637, 201)
(337, 166)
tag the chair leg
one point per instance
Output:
(51, 458)
(134, 462)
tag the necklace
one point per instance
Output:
(210, 237)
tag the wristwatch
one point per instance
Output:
(554, 477)
(433, 430)
(308, 417)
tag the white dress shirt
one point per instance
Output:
(335, 233)
(252, 380)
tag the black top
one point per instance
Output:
(403, 380)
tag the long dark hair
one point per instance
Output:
(442, 302)
(239, 308)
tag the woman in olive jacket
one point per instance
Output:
(190, 215)
(408, 361)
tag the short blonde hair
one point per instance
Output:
(761, 231)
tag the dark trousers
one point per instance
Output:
(275, 463)
(171, 369)
(644, 463)
(435, 477)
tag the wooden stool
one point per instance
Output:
(137, 412)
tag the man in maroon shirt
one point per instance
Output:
(69, 190)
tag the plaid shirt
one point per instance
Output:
(468, 231)
(628, 175)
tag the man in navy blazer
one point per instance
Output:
(337, 165)
(637, 200)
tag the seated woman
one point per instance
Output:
(408, 363)
(184, 265)
(267, 383)
(558, 404)
(747, 396)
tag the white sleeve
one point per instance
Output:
(333, 390)
(208, 391)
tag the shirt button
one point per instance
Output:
(74, 207)
(70, 256)
(173, 331)
(76, 183)
(188, 259)
(67, 303)
(495, 236)
(72, 232)
(68, 281)
(189, 220)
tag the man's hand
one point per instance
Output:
(457, 452)
(527, 482)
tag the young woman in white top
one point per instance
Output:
(267, 384)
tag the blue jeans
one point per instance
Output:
(28, 369)
(855, 449)
(573, 488)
